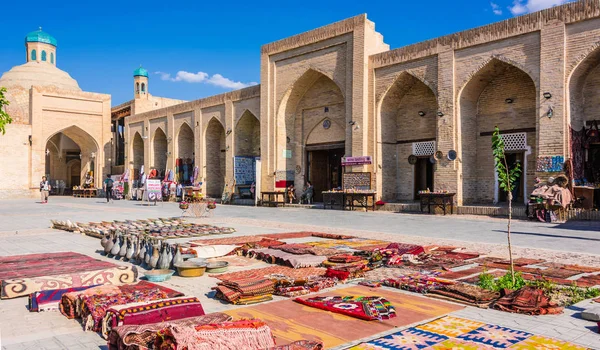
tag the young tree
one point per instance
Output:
(5, 119)
(507, 178)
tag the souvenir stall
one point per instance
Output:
(585, 151)
(88, 189)
(356, 189)
(550, 200)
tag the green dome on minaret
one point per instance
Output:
(40, 37)
(140, 72)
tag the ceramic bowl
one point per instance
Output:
(217, 267)
(159, 275)
(190, 269)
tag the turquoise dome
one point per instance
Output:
(40, 37)
(140, 72)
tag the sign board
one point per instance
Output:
(153, 190)
(244, 170)
(356, 160)
(287, 153)
(357, 181)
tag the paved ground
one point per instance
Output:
(24, 229)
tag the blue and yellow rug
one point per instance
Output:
(458, 333)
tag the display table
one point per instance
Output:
(191, 192)
(272, 198)
(437, 200)
(85, 193)
(335, 200)
(349, 200)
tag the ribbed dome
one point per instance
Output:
(40, 74)
(140, 72)
(40, 37)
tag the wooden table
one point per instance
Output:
(85, 193)
(353, 200)
(272, 198)
(335, 200)
(437, 200)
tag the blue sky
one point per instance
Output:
(214, 45)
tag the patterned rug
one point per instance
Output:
(458, 333)
(297, 274)
(291, 321)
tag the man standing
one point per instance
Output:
(108, 187)
(44, 189)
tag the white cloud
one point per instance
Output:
(496, 9)
(201, 77)
(520, 7)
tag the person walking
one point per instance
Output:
(108, 187)
(44, 189)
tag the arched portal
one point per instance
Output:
(584, 108)
(69, 156)
(247, 135)
(311, 106)
(138, 155)
(184, 162)
(407, 120)
(502, 95)
(159, 151)
(215, 158)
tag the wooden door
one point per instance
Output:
(518, 196)
(318, 173)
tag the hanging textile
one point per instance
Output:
(578, 153)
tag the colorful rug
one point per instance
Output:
(236, 261)
(23, 287)
(347, 243)
(364, 308)
(142, 337)
(288, 235)
(151, 312)
(458, 333)
(244, 334)
(240, 240)
(296, 274)
(273, 256)
(291, 321)
(49, 300)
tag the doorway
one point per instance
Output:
(512, 159)
(423, 175)
(324, 170)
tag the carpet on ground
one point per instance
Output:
(297, 274)
(291, 321)
(458, 333)
(49, 300)
(116, 275)
(151, 312)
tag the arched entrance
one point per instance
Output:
(311, 143)
(502, 95)
(585, 118)
(408, 127)
(138, 155)
(247, 135)
(215, 158)
(184, 163)
(159, 154)
(70, 155)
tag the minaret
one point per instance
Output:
(140, 83)
(40, 47)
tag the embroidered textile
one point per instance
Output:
(142, 337)
(296, 274)
(466, 293)
(366, 308)
(527, 300)
(49, 300)
(246, 334)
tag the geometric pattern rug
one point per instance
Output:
(458, 333)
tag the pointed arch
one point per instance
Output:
(33, 55)
(247, 135)
(44, 55)
(143, 88)
(159, 150)
(52, 57)
(214, 157)
(137, 152)
(185, 142)
(318, 134)
(399, 120)
(582, 94)
(499, 94)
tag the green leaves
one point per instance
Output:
(5, 119)
(506, 177)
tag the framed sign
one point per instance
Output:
(356, 160)
(153, 190)
(356, 181)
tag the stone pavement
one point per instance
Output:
(24, 229)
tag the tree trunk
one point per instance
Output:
(510, 257)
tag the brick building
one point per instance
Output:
(339, 90)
